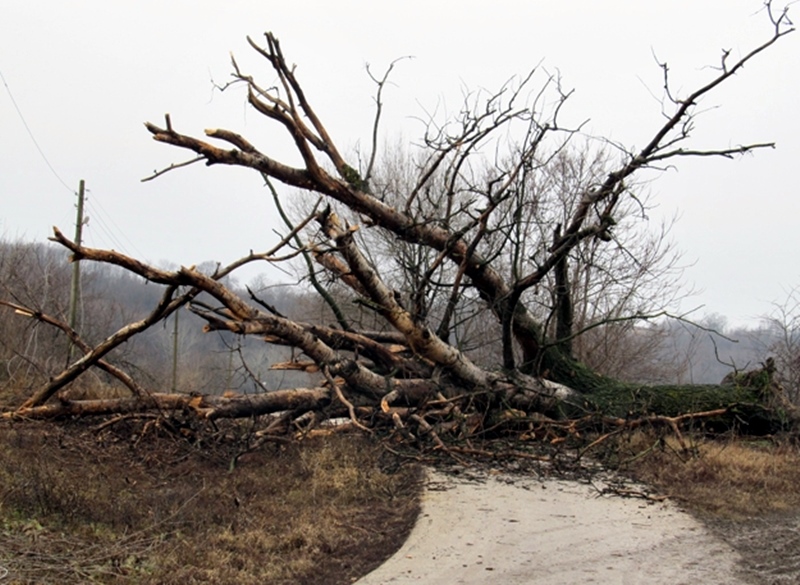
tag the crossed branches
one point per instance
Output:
(466, 213)
(451, 153)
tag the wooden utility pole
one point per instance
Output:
(229, 377)
(175, 332)
(75, 289)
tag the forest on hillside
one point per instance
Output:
(37, 275)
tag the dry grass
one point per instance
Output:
(731, 479)
(77, 506)
(128, 506)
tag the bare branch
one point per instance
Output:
(166, 306)
(104, 365)
(381, 83)
(172, 167)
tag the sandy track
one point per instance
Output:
(517, 531)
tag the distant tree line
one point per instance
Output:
(37, 275)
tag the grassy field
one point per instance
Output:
(78, 505)
(733, 479)
(137, 502)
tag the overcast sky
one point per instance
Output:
(86, 75)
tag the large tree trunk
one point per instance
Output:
(753, 402)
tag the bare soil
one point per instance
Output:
(747, 492)
(769, 546)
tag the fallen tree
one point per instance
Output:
(480, 254)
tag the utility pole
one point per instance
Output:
(75, 289)
(229, 377)
(175, 353)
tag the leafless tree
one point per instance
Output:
(784, 324)
(487, 216)
(33, 275)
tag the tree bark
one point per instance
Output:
(204, 406)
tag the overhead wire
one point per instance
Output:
(33, 138)
(97, 209)
(97, 219)
(104, 218)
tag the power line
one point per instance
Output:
(101, 213)
(33, 138)
(95, 205)
(98, 221)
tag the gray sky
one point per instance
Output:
(87, 74)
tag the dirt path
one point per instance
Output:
(518, 531)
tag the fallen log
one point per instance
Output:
(204, 406)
